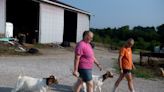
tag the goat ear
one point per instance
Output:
(110, 74)
(107, 72)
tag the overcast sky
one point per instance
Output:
(116, 13)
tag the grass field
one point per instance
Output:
(146, 71)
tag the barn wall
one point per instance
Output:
(2, 16)
(51, 23)
(83, 24)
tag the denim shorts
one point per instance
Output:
(85, 74)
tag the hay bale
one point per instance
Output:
(154, 62)
(162, 72)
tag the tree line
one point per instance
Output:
(145, 37)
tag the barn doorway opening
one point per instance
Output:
(24, 15)
(70, 26)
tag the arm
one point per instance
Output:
(120, 63)
(97, 64)
(133, 67)
(76, 64)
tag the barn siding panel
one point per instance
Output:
(83, 24)
(2, 16)
(51, 23)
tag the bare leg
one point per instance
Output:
(78, 85)
(95, 88)
(44, 89)
(130, 82)
(118, 81)
(90, 86)
(99, 89)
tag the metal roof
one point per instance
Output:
(64, 5)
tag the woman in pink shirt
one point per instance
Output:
(83, 63)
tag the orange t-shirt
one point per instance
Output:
(127, 58)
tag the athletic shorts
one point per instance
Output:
(126, 71)
(85, 74)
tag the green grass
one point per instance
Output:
(10, 50)
(6, 50)
(145, 72)
(39, 46)
(137, 51)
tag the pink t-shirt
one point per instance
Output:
(85, 50)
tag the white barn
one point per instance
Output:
(45, 21)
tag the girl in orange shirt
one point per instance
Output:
(126, 65)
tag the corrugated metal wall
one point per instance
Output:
(2, 16)
(83, 24)
(51, 23)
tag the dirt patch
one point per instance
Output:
(59, 62)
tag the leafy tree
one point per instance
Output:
(161, 32)
(145, 37)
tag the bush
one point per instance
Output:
(152, 44)
(97, 38)
(145, 37)
(140, 44)
(106, 40)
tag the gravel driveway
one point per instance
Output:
(59, 62)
